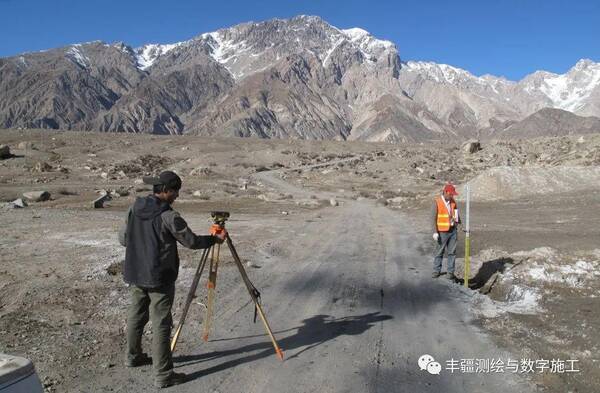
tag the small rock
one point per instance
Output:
(42, 167)
(307, 202)
(471, 146)
(270, 196)
(200, 195)
(382, 202)
(285, 213)
(333, 202)
(200, 171)
(99, 202)
(121, 192)
(37, 196)
(18, 203)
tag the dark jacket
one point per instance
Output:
(150, 235)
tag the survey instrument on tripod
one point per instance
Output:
(219, 219)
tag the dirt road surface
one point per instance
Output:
(350, 298)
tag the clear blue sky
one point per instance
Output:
(501, 37)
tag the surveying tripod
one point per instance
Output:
(218, 226)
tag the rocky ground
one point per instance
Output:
(535, 250)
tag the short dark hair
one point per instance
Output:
(158, 188)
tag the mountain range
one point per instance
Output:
(299, 78)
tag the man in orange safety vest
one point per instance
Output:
(445, 219)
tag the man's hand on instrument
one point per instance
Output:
(219, 233)
(221, 236)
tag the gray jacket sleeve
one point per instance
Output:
(434, 217)
(177, 226)
(123, 230)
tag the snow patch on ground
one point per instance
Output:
(540, 252)
(520, 288)
(570, 275)
(520, 300)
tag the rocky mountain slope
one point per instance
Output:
(295, 78)
(552, 122)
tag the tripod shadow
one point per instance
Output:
(313, 332)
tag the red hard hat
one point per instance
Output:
(449, 188)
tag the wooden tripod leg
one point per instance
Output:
(190, 297)
(252, 291)
(211, 285)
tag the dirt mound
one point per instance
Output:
(511, 182)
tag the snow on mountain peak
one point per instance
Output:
(146, 55)
(365, 40)
(567, 91)
(238, 50)
(584, 63)
(355, 33)
(441, 72)
(76, 55)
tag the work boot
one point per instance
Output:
(451, 276)
(173, 379)
(435, 274)
(141, 360)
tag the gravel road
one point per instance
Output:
(350, 298)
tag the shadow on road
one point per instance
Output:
(313, 332)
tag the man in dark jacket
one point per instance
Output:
(150, 235)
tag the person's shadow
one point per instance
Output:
(313, 332)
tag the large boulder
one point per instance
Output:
(37, 196)
(471, 146)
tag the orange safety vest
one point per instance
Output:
(443, 217)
